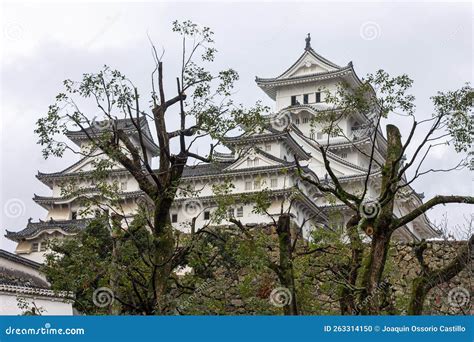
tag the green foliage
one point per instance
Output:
(454, 108)
(29, 307)
(81, 264)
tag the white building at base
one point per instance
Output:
(23, 288)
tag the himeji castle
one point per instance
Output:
(252, 162)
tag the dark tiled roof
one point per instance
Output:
(205, 169)
(272, 157)
(84, 192)
(17, 278)
(18, 259)
(330, 154)
(46, 178)
(273, 135)
(269, 85)
(128, 125)
(70, 167)
(220, 156)
(189, 171)
(218, 168)
(33, 228)
(326, 74)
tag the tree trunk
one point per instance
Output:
(347, 300)
(377, 259)
(380, 225)
(286, 273)
(164, 241)
(164, 248)
(114, 308)
(418, 296)
(373, 274)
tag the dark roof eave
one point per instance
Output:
(16, 258)
(34, 228)
(269, 82)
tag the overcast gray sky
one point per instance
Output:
(44, 44)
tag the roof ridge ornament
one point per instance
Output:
(308, 42)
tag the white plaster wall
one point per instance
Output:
(34, 256)
(283, 97)
(51, 306)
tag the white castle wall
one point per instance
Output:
(50, 306)
(283, 97)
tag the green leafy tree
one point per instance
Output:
(202, 106)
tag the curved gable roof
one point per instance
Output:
(309, 55)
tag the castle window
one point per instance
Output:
(297, 121)
(306, 98)
(251, 162)
(35, 247)
(74, 215)
(293, 100)
(240, 211)
(311, 135)
(207, 215)
(123, 185)
(318, 97)
(230, 212)
(248, 186)
(174, 218)
(344, 155)
(274, 182)
(43, 247)
(305, 120)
